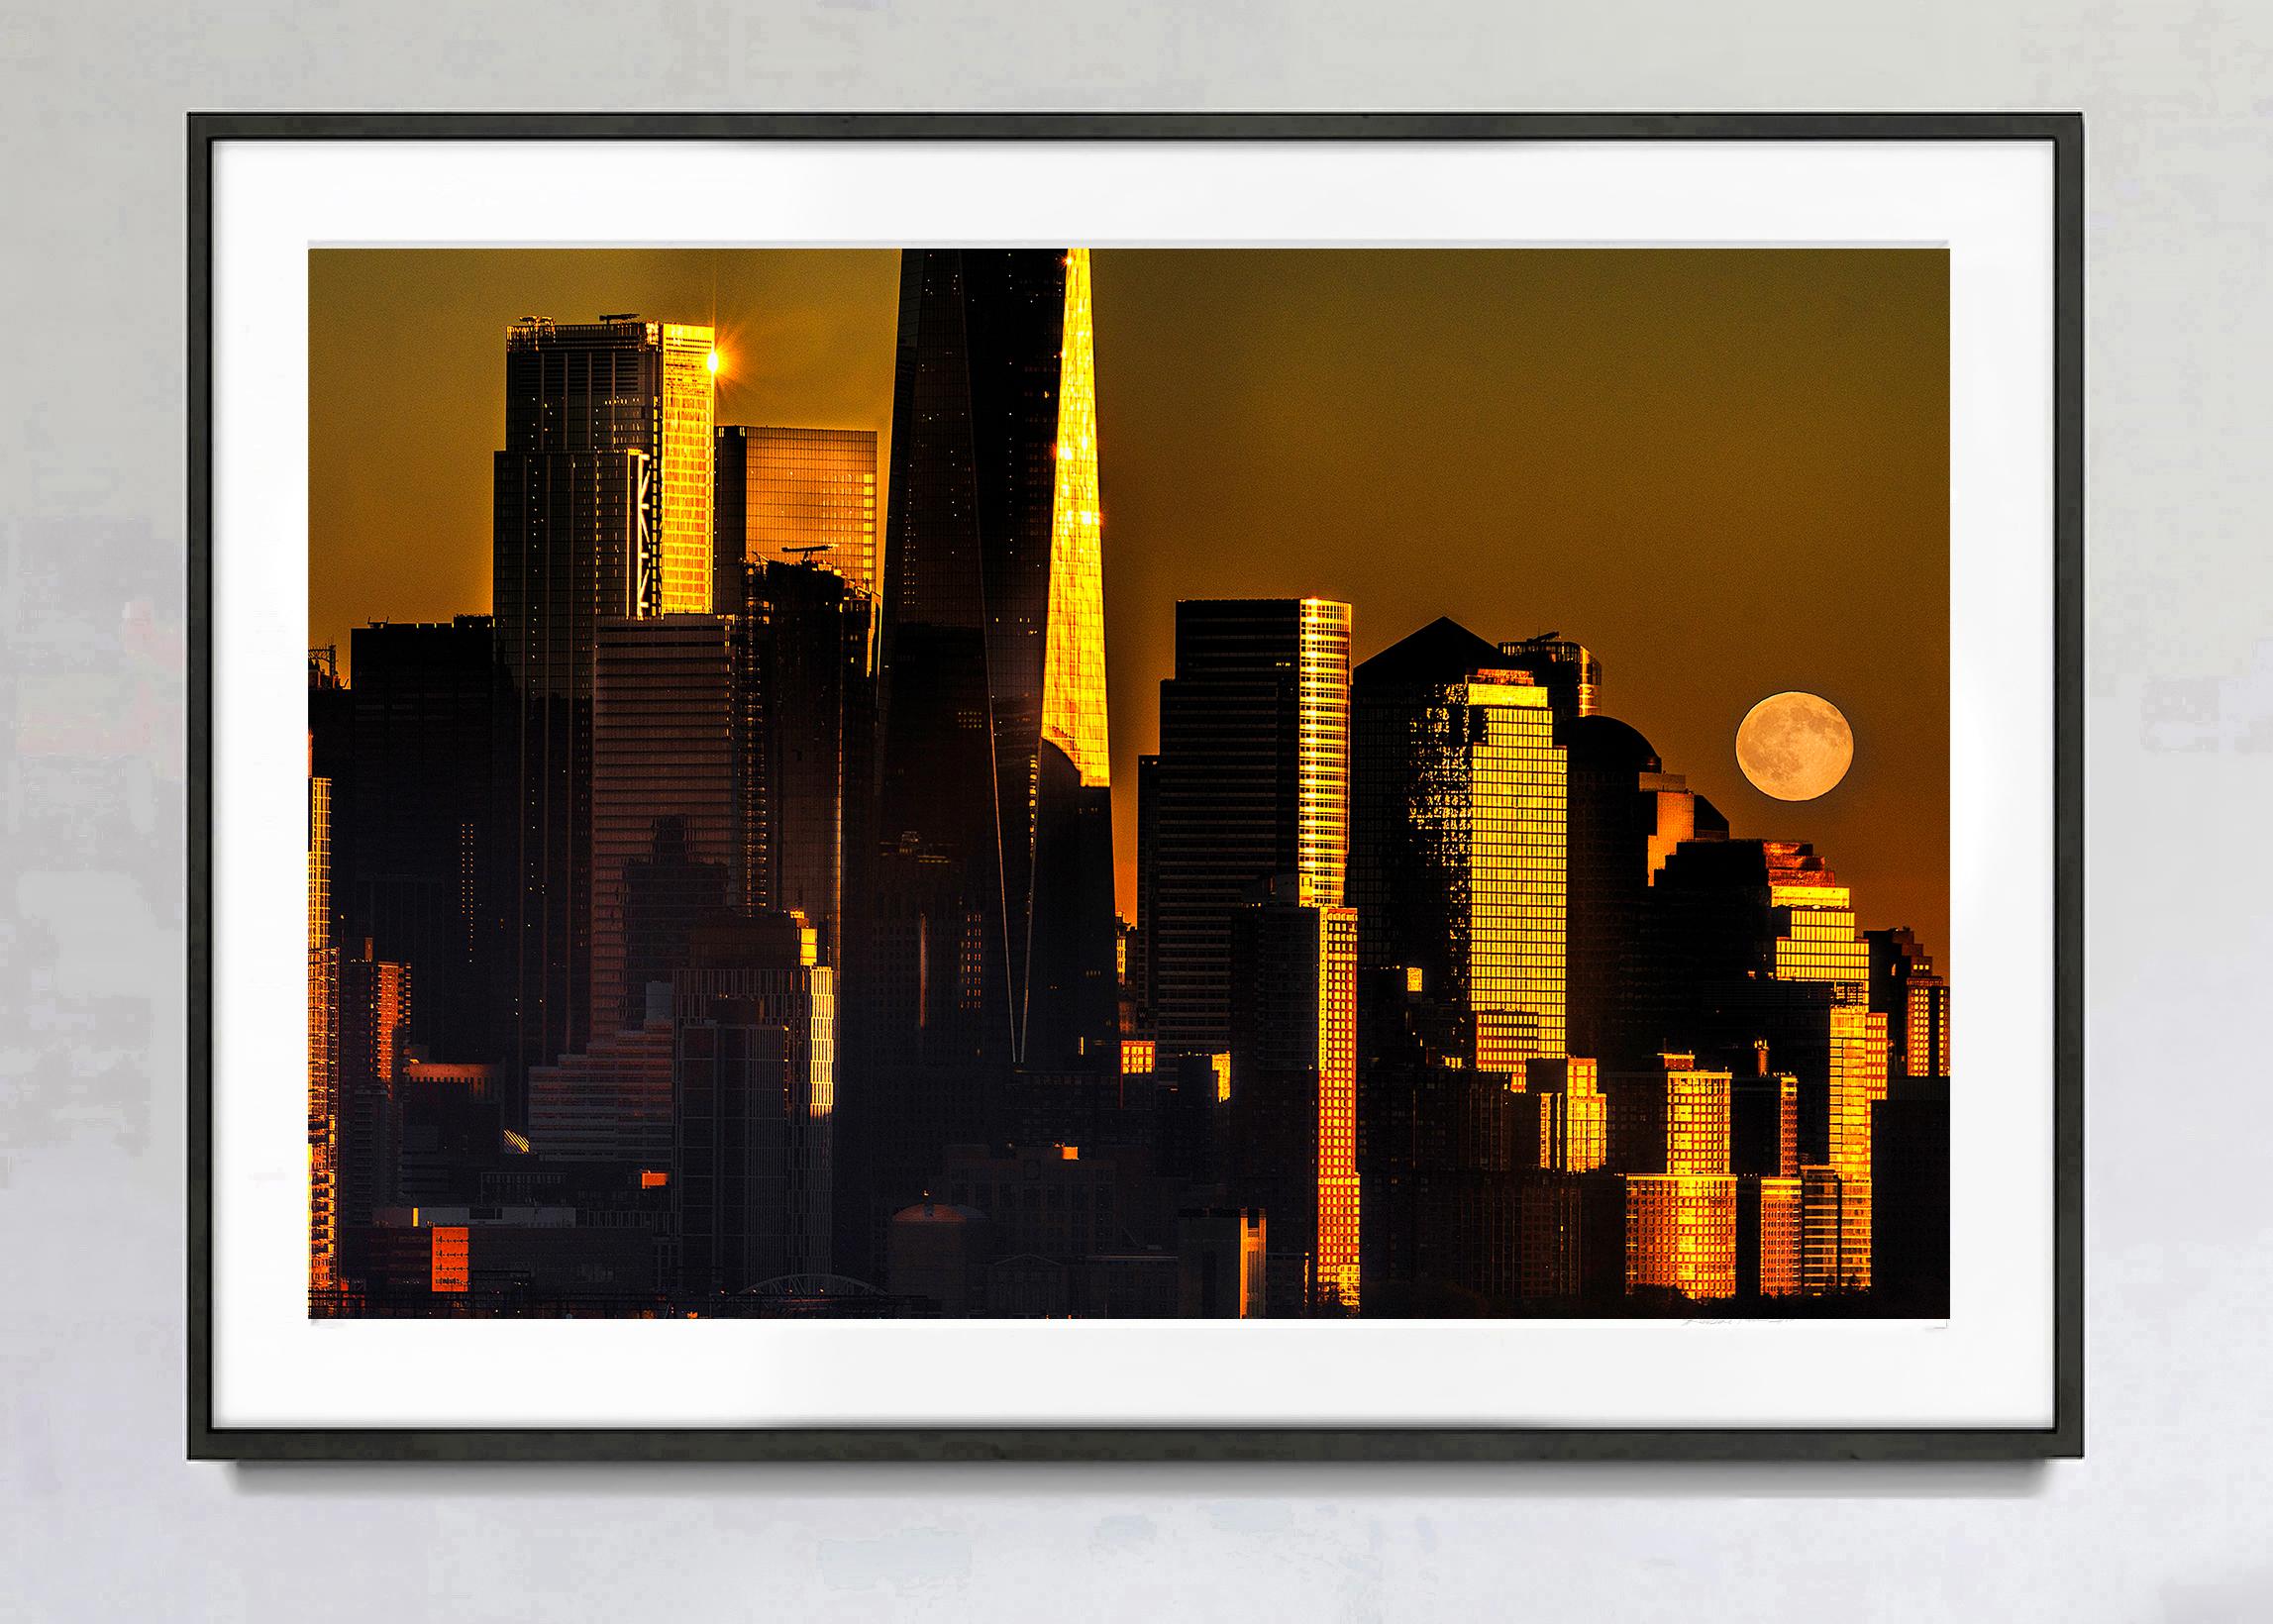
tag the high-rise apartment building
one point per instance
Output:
(1669, 1135)
(1253, 783)
(663, 746)
(789, 495)
(1458, 850)
(323, 1043)
(1293, 1087)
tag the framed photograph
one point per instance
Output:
(1298, 788)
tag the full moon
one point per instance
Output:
(1794, 746)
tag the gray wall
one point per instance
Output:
(100, 1517)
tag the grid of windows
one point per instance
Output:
(808, 494)
(1681, 1235)
(1780, 1222)
(1073, 644)
(1322, 749)
(1515, 846)
(687, 405)
(1337, 1241)
(323, 1015)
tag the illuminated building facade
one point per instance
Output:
(1293, 1088)
(1253, 783)
(1681, 1235)
(1568, 671)
(1459, 849)
(796, 496)
(993, 739)
(753, 1084)
(623, 389)
(374, 1008)
(988, 912)
(1669, 1133)
(1223, 1257)
(1565, 1100)
(1916, 1002)
(323, 1017)
(1768, 1237)
(422, 889)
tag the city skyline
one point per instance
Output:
(730, 921)
(1577, 437)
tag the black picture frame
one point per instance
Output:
(2064, 1436)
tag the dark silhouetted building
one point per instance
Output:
(805, 772)
(374, 1009)
(602, 511)
(1909, 1190)
(753, 1079)
(663, 800)
(422, 889)
(991, 909)
(1253, 783)
(1223, 1259)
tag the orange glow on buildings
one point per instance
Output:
(453, 1258)
(1668, 1132)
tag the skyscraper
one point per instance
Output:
(1754, 949)
(602, 511)
(806, 766)
(662, 801)
(323, 1041)
(754, 1101)
(421, 888)
(1293, 1087)
(1458, 850)
(1253, 783)
(1568, 671)
(993, 754)
(1914, 1001)
(796, 496)
(622, 386)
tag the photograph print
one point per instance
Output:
(1044, 783)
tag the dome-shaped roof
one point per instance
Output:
(1606, 744)
(937, 1212)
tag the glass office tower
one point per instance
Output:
(1252, 783)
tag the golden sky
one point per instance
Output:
(1726, 472)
